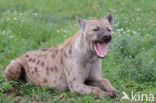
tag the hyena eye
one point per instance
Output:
(108, 29)
(96, 29)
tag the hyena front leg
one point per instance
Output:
(76, 76)
(105, 85)
(76, 83)
(84, 89)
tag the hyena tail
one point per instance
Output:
(15, 71)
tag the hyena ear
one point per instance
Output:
(109, 17)
(82, 23)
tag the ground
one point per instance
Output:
(32, 24)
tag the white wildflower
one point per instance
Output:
(128, 30)
(15, 18)
(133, 32)
(11, 36)
(65, 31)
(139, 29)
(148, 34)
(3, 32)
(35, 14)
(124, 32)
(22, 21)
(7, 19)
(15, 12)
(57, 31)
(137, 9)
(138, 18)
(143, 29)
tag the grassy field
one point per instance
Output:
(32, 24)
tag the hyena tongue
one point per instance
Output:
(101, 49)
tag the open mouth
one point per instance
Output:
(101, 48)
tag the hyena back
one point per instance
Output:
(74, 65)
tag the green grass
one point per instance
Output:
(32, 24)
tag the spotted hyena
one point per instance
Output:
(74, 65)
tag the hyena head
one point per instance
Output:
(98, 33)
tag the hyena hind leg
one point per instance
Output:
(15, 71)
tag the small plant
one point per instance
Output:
(141, 68)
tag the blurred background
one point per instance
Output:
(32, 24)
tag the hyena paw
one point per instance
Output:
(112, 93)
(116, 91)
(113, 90)
(98, 91)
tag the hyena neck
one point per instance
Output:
(83, 49)
(79, 46)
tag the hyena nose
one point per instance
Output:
(107, 37)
